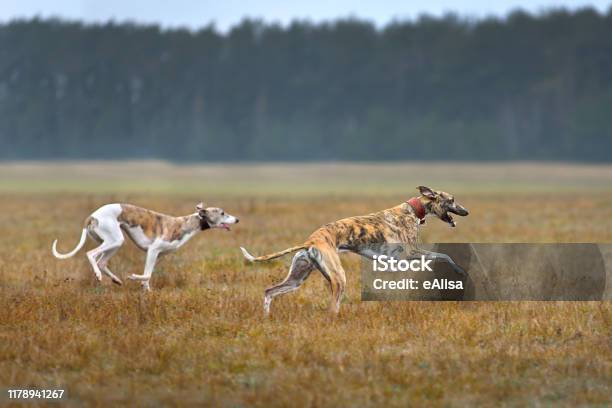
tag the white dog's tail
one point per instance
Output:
(74, 251)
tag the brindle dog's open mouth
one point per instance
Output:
(447, 218)
(459, 211)
(224, 226)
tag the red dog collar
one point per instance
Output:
(419, 209)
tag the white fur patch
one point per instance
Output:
(246, 254)
(139, 237)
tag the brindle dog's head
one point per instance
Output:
(213, 217)
(441, 204)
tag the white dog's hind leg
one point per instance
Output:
(103, 264)
(97, 256)
(111, 275)
(109, 232)
(91, 256)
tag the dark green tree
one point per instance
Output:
(520, 87)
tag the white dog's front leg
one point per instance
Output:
(152, 255)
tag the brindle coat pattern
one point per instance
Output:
(360, 234)
(155, 224)
(394, 225)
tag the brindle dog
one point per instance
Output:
(364, 235)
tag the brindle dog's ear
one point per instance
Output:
(200, 207)
(427, 192)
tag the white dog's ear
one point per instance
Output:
(427, 192)
(200, 206)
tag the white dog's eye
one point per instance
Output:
(222, 212)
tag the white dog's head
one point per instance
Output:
(213, 217)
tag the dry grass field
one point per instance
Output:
(200, 338)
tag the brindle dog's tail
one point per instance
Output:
(251, 258)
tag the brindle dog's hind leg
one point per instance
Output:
(328, 262)
(301, 266)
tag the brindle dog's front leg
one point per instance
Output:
(438, 255)
(397, 251)
(390, 250)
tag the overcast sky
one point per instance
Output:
(225, 13)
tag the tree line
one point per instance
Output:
(526, 86)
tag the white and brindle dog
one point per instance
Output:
(152, 232)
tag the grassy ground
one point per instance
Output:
(200, 337)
